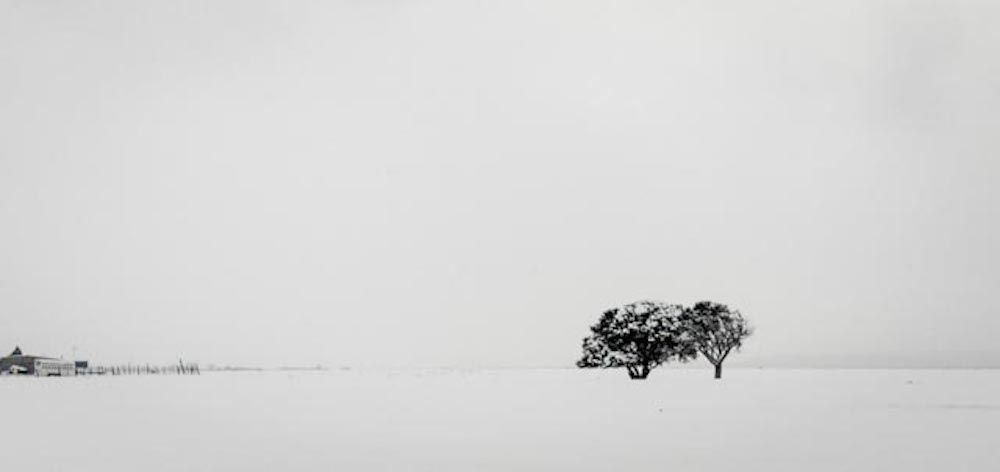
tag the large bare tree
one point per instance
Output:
(639, 336)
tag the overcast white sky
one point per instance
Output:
(470, 183)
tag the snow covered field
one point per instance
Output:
(505, 420)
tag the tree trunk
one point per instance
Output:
(638, 373)
(718, 370)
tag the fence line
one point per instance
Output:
(141, 369)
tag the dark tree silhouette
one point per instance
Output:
(639, 336)
(716, 331)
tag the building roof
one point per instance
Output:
(17, 354)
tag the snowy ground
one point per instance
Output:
(539, 420)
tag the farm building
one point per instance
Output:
(19, 363)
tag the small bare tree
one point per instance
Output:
(716, 331)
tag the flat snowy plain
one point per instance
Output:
(505, 420)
